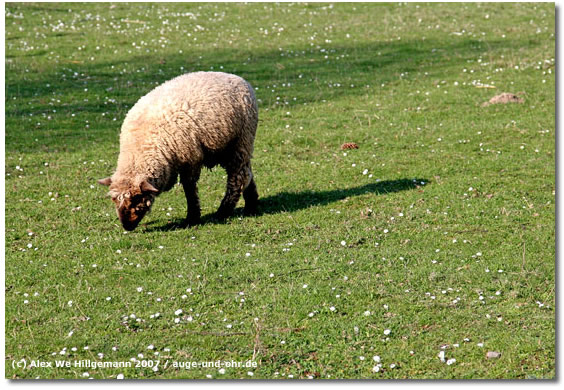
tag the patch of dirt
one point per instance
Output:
(504, 98)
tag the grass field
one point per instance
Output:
(436, 234)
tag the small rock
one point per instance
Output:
(493, 355)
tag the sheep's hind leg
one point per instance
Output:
(237, 181)
(189, 183)
(250, 195)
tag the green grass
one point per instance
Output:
(447, 239)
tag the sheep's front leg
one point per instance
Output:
(237, 181)
(189, 183)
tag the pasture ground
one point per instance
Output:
(436, 234)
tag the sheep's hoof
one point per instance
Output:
(190, 222)
(250, 210)
(222, 214)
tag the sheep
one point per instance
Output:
(194, 120)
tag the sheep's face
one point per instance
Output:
(132, 203)
(131, 208)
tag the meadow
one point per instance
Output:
(417, 255)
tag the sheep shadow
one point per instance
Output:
(293, 201)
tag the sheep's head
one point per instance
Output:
(132, 201)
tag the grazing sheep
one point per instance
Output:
(197, 119)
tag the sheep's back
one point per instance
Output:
(191, 115)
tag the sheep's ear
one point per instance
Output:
(105, 182)
(145, 186)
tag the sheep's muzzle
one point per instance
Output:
(130, 226)
(130, 218)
